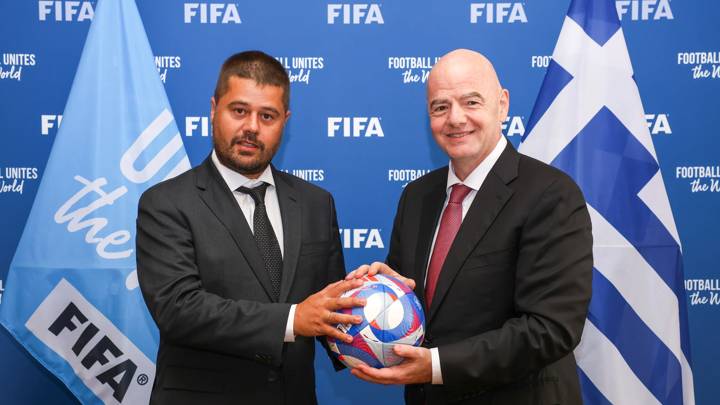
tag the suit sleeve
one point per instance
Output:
(335, 271)
(552, 292)
(394, 259)
(185, 313)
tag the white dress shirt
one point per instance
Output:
(474, 180)
(234, 180)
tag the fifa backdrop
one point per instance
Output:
(359, 126)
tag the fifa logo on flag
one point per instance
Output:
(355, 13)
(498, 13)
(65, 10)
(355, 127)
(359, 238)
(96, 350)
(212, 13)
(644, 10)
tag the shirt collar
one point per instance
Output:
(476, 178)
(234, 179)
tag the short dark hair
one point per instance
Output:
(257, 66)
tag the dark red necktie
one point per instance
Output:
(449, 225)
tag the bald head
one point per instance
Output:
(465, 64)
(467, 107)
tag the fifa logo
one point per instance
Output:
(354, 127)
(498, 13)
(118, 377)
(355, 13)
(513, 126)
(65, 10)
(192, 124)
(48, 121)
(658, 124)
(644, 9)
(361, 238)
(212, 13)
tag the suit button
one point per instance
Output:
(272, 376)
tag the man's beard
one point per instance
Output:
(230, 158)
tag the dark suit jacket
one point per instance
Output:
(512, 296)
(204, 281)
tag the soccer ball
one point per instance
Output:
(392, 315)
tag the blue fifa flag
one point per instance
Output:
(72, 296)
(588, 121)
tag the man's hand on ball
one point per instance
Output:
(316, 315)
(415, 369)
(382, 268)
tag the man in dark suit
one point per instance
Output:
(234, 258)
(500, 246)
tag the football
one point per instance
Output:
(392, 315)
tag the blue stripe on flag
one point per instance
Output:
(598, 18)
(639, 346)
(611, 167)
(590, 394)
(555, 80)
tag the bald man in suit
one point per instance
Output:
(500, 247)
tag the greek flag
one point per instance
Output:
(72, 297)
(588, 120)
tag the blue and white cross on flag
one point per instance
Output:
(72, 296)
(588, 120)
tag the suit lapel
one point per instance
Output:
(219, 199)
(291, 212)
(432, 203)
(489, 201)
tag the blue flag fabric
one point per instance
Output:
(72, 296)
(588, 120)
